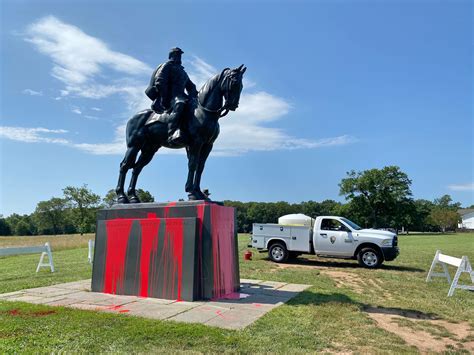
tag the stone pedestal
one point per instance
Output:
(181, 250)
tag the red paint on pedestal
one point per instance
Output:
(149, 245)
(172, 258)
(223, 250)
(118, 231)
(200, 222)
(167, 209)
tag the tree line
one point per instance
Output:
(375, 198)
(74, 212)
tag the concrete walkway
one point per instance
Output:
(234, 312)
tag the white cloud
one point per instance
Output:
(96, 109)
(32, 135)
(32, 92)
(41, 135)
(79, 61)
(462, 187)
(77, 56)
(76, 110)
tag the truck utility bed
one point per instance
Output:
(298, 238)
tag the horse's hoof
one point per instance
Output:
(134, 199)
(192, 197)
(122, 199)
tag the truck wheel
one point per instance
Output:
(369, 258)
(278, 253)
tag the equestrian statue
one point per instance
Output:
(178, 120)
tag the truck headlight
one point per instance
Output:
(387, 243)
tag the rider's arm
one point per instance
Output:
(191, 88)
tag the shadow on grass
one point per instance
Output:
(341, 263)
(312, 298)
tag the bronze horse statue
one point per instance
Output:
(200, 127)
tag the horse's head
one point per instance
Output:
(231, 87)
(227, 85)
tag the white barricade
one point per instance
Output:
(462, 264)
(90, 254)
(45, 250)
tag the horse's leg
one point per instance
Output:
(193, 158)
(147, 153)
(205, 151)
(126, 164)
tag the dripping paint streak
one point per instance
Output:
(223, 250)
(118, 231)
(174, 237)
(200, 222)
(149, 244)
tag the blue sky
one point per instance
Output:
(331, 86)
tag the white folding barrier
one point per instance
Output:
(45, 250)
(91, 247)
(462, 264)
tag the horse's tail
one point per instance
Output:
(134, 132)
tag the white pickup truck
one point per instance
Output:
(328, 236)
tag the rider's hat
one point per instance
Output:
(176, 50)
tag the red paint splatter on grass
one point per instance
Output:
(149, 245)
(118, 231)
(223, 250)
(14, 312)
(124, 311)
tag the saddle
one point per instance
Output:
(158, 117)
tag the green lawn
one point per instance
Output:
(327, 317)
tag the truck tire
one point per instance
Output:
(369, 258)
(278, 253)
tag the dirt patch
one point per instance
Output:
(296, 266)
(347, 279)
(357, 283)
(424, 331)
(18, 313)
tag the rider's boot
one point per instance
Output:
(174, 133)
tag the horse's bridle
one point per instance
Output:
(219, 111)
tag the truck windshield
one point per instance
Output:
(352, 224)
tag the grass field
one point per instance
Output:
(347, 309)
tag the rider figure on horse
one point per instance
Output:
(166, 89)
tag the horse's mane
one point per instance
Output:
(211, 83)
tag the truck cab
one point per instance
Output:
(327, 236)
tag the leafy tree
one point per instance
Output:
(444, 218)
(446, 202)
(444, 213)
(420, 218)
(84, 204)
(111, 197)
(51, 216)
(379, 194)
(21, 225)
(4, 227)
